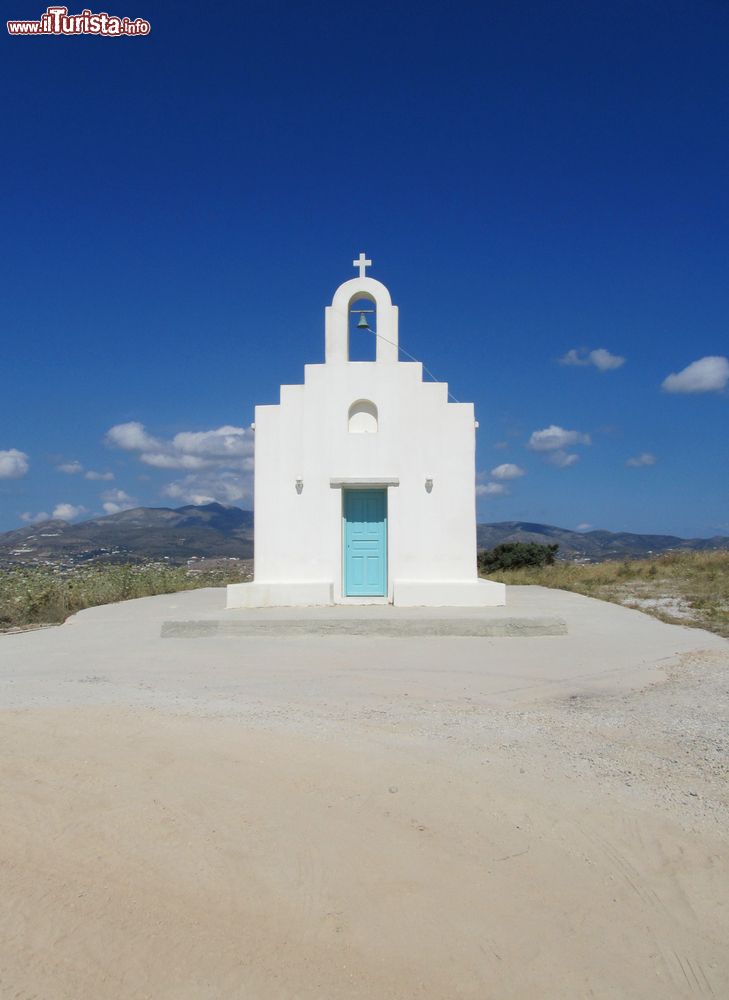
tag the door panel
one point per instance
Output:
(365, 543)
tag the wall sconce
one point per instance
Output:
(428, 485)
(299, 486)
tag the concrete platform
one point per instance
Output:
(371, 621)
(117, 653)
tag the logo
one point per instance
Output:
(57, 21)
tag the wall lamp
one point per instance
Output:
(299, 486)
(428, 485)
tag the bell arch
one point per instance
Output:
(336, 320)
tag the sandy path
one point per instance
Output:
(389, 845)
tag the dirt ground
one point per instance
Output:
(303, 820)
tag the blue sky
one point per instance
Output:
(530, 179)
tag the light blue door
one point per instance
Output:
(365, 543)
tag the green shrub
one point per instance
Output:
(515, 555)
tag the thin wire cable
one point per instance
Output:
(425, 367)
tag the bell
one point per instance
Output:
(362, 323)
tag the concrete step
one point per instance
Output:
(478, 627)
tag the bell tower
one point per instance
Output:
(336, 317)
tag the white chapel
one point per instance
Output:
(365, 488)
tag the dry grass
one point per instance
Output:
(46, 595)
(687, 588)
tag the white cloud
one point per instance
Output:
(508, 471)
(74, 468)
(13, 464)
(35, 518)
(562, 459)
(709, 374)
(553, 438)
(574, 357)
(222, 447)
(645, 458)
(583, 527)
(68, 512)
(131, 437)
(224, 486)
(601, 359)
(604, 361)
(225, 442)
(490, 489)
(218, 462)
(117, 496)
(160, 460)
(117, 501)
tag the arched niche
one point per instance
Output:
(363, 417)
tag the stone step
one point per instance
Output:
(394, 628)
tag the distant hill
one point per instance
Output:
(215, 531)
(210, 530)
(595, 546)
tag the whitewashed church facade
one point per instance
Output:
(365, 479)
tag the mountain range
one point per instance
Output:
(210, 530)
(216, 531)
(592, 546)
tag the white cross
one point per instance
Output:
(362, 263)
